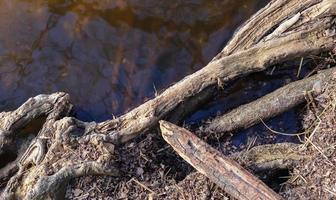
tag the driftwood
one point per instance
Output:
(271, 104)
(225, 172)
(55, 155)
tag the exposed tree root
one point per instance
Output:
(42, 105)
(311, 35)
(54, 156)
(66, 148)
(71, 153)
(12, 140)
(255, 31)
(275, 15)
(271, 104)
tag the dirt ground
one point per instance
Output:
(152, 170)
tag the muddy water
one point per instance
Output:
(109, 55)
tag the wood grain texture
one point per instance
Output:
(225, 172)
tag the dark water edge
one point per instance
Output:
(110, 56)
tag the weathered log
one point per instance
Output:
(270, 105)
(225, 172)
(268, 158)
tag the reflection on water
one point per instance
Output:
(110, 55)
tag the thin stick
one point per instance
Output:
(300, 66)
(280, 133)
(142, 185)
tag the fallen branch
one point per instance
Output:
(263, 158)
(260, 159)
(225, 172)
(269, 105)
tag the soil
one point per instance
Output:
(152, 170)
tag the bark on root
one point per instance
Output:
(270, 105)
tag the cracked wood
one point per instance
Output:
(225, 172)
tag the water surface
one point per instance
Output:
(109, 55)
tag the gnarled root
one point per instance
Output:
(74, 149)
